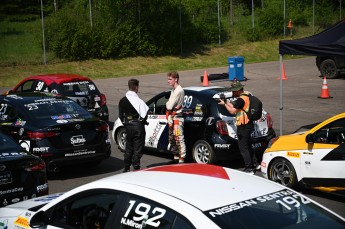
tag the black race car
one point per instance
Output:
(55, 128)
(210, 130)
(22, 175)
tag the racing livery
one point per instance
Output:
(79, 88)
(312, 159)
(54, 128)
(209, 129)
(144, 199)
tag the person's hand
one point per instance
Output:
(221, 102)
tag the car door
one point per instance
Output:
(157, 129)
(324, 162)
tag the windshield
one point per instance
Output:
(78, 88)
(282, 209)
(56, 109)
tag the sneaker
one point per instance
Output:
(181, 160)
(257, 167)
(249, 171)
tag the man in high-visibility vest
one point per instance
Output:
(244, 126)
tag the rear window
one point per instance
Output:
(56, 109)
(275, 210)
(79, 88)
(7, 144)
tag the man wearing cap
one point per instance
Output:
(133, 114)
(244, 126)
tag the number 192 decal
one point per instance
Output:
(141, 215)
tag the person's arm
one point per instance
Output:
(228, 106)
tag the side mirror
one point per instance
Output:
(40, 219)
(309, 138)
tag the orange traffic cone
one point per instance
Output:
(283, 73)
(205, 80)
(324, 91)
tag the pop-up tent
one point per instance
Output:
(330, 42)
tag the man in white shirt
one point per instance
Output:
(133, 114)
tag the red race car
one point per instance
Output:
(76, 87)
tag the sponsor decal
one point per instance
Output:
(92, 87)
(48, 198)
(285, 199)
(21, 131)
(263, 164)
(293, 154)
(15, 200)
(210, 121)
(4, 224)
(81, 93)
(222, 146)
(108, 141)
(54, 91)
(40, 150)
(198, 110)
(65, 116)
(77, 140)
(61, 121)
(256, 145)
(154, 135)
(25, 144)
(14, 154)
(42, 187)
(19, 122)
(197, 119)
(22, 222)
(79, 153)
(13, 190)
(77, 82)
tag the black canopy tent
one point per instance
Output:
(330, 42)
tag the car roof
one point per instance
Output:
(201, 185)
(58, 78)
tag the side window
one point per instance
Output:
(89, 211)
(333, 133)
(144, 213)
(159, 106)
(26, 86)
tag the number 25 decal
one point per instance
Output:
(143, 211)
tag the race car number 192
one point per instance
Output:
(142, 211)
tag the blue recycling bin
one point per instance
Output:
(236, 68)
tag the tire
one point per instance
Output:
(121, 139)
(329, 69)
(282, 172)
(203, 153)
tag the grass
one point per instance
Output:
(21, 55)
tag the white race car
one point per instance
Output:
(209, 129)
(311, 159)
(173, 196)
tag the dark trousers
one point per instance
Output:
(135, 141)
(243, 134)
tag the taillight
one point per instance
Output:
(222, 127)
(269, 120)
(103, 100)
(36, 167)
(103, 128)
(37, 135)
(273, 140)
